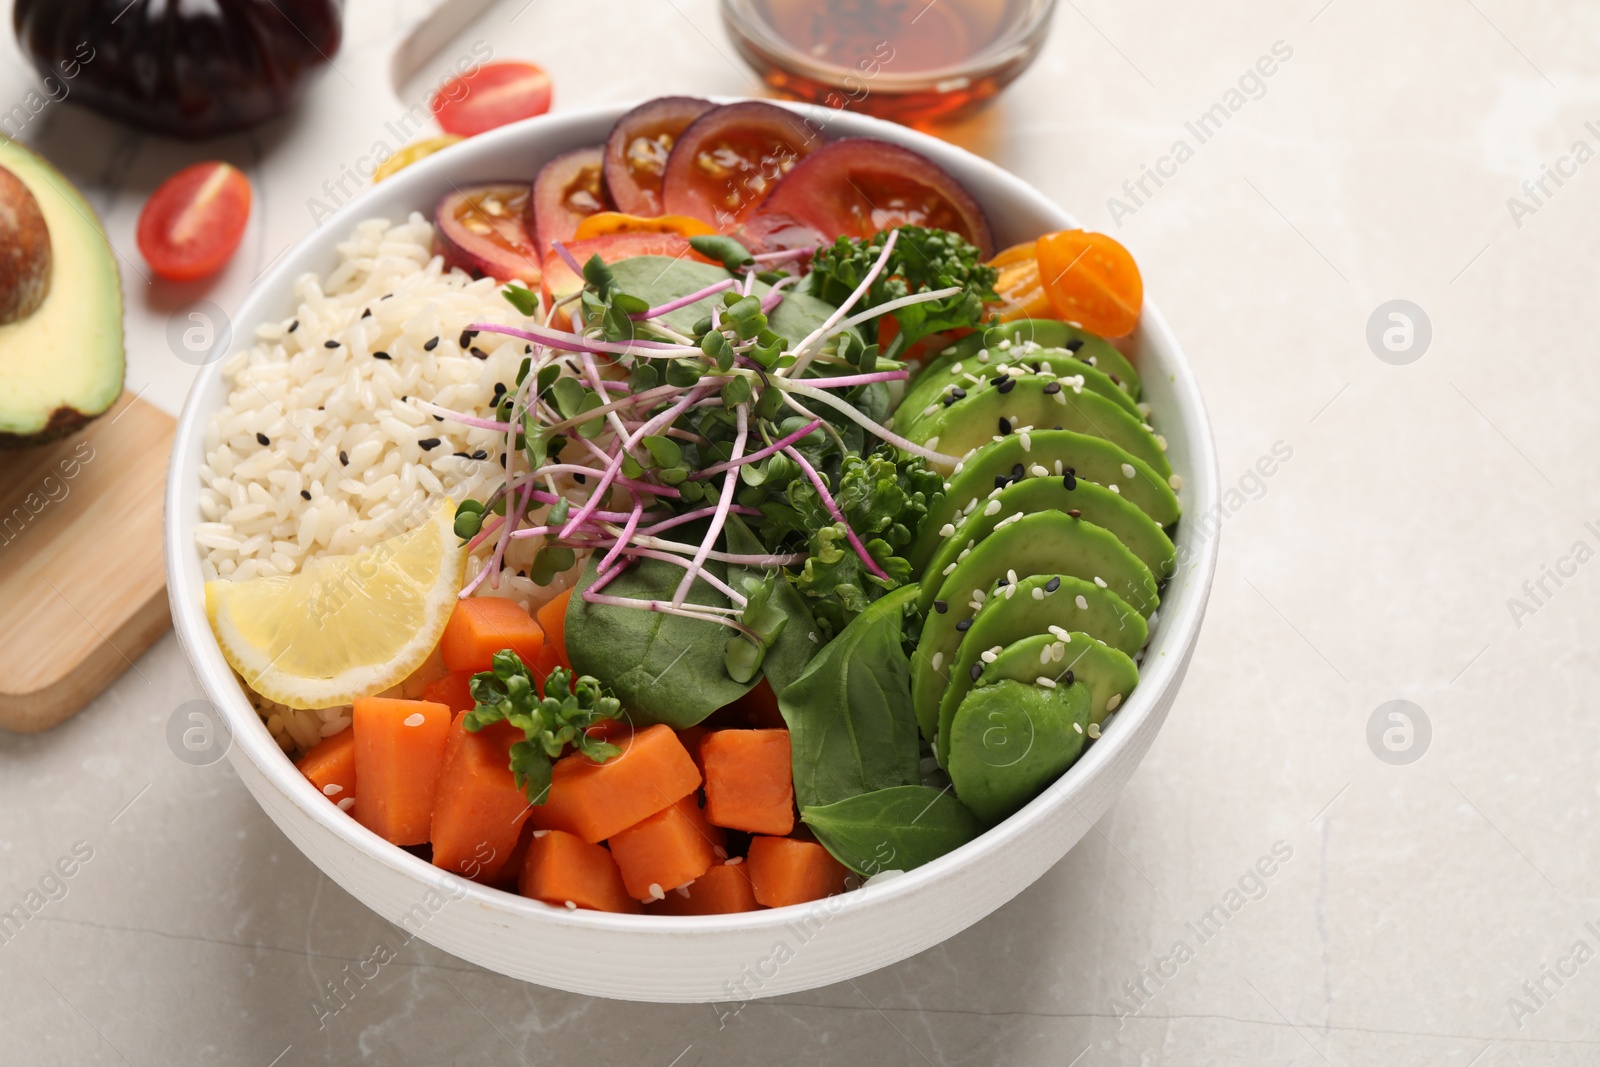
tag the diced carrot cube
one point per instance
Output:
(552, 618)
(595, 800)
(723, 889)
(479, 811)
(483, 625)
(399, 752)
(563, 869)
(331, 766)
(671, 847)
(784, 871)
(749, 780)
(454, 691)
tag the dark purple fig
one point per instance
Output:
(481, 229)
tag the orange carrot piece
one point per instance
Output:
(552, 618)
(454, 691)
(563, 869)
(331, 766)
(399, 751)
(478, 811)
(595, 800)
(722, 890)
(749, 780)
(671, 847)
(785, 871)
(481, 626)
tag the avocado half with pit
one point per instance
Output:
(61, 356)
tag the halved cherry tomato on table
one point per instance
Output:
(1092, 280)
(491, 96)
(567, 191)
(605, 223)
(560, 281)
(411, 153)
(193, 223)
(639, 145)
(858, 186)
(1021, 292)
(729, 159)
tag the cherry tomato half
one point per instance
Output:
(193, 223)
(1021, 292)
(1092, 280)
(568, 190)
(492, 95)
(607, 222)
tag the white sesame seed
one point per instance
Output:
(955, 368)
(1047, 682)
(734, 861)
(683, 890)
(1044, 653)
(996, 491)
(1059, 468)
(1058, 650)
(416, 718)
(540, 833)
(1090, 360)
(932, 443)
(1161, 442)
(720, 852)
(938, 660)
(1094, 729)
(332, 789)
(987, 656)
(979, 595)
(1059, 398)
(1114, 489)
(1011, 576)
(1078, 726)
(950, 351)
(347, 803)
(571, 906)
(970, 505)
(930, 409)
(947, 570)
(975, 605)
(1038, 594)
(1082, 602)
(967, 551)
(1004, 344)
(992, 508)
(1038, 471)
(1101, 582)
(1011, 591)
(1061, 633)
(983, 355)
(947, 529)
(655, 891)
(1176, 482)
(1144, 409)
(1128, 471)
(1027, 441)
(1008, 520)
(1116, 699)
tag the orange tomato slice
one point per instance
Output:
(605, 223)
(1021, 295)
(1092, 280)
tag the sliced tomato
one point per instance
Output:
(193, 223)
(1091, 280)
(481, 230)
(638, 148)
(490, 96)
(1021, 293)
(609, 222)
(768, 231)
(567, 191)
(560, 281)
(859, 186)
(729, 159)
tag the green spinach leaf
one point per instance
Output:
(892, 829)
(852, 728)
(799, 641)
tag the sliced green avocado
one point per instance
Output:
(1009, 741)
(1093, 349)
(1109, 673)
(62, 364)
(1093, 503)
(1048, 542)
(1039, 402)
(1106, 619)
(937, 384)
(1050, 454)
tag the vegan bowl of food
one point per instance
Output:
(695, 552)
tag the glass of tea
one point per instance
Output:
(907, 60)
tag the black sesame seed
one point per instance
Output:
(1052, 585)
(431, 345)
(1052, 388)
(387, 296)
(997, 379)
(499, 388)
(1005, 426)
(959, 393)
(1075, 513)
(1069, 678)
(1017, 471)
(1002, 583)
(1114, 379)
(977, 671)
(344, 458)
(367, 314)
(502, 459)
(1007, 384)
(480, 454)
(263, 439)
(466, 338)
(438, 418)
(1074, 344)
(963, 626)
(428, 444)
(330, 344)
(581, 479)
(305, 494)
(295, 325)
(940, 606)
(462, 455)
(478, 353)
(381, 355)
(1069, 481)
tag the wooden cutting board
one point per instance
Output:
(82, 582)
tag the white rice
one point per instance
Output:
(341, 427)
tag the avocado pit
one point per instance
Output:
(25, 257)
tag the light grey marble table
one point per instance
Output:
(1286, 879)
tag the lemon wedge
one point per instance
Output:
(345, 626)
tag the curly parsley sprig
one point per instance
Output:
(548, 724)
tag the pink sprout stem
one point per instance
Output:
(847, 380)
(833, 509)
(690, 516)
(718, 520)
(756, 457)
(572, 342)
(775, 294)
(683, 301)
(624, 537)
(567, 257)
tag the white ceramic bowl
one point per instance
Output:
(729, 958)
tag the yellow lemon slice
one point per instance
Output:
(345, 626)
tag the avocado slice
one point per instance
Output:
(937, 383)
(1051, 453)
(1091, 348)
(1109, 673)
(1094, 503)
(1036, 402)
(62, 364)
(1107, 620)
(1009, 741)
